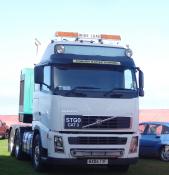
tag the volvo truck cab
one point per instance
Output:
(85, 104)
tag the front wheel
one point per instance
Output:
(36, 154)
(164, 153)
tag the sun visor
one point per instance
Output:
(90, 60)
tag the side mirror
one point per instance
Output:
(141, 83)
(38, 74)
(141, 92)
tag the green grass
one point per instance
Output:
(11, 166)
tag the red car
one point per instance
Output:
(3, 130)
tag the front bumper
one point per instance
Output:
(86, 148)
(122, 161)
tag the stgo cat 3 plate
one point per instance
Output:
(73, 122)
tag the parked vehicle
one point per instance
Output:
(154, 141)
(82, 100)
(3, 130)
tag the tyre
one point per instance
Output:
(18, 145)
(37, 163)
(11, 145)
(164, 154)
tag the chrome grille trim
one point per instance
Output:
(100, 122)
(100, 153)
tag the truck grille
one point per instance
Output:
(97, 140)
(97, 122)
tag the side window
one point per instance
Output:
(159, 130)
(142, 128)
(154, 129)
(165, 130)
(47, 78)
(129, 84)
(21, 92)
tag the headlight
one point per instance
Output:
(129, 53)
(58, 144)
(133, 144)
(59, 49)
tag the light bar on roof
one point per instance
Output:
(110, 37)
(66, 34)
(88, 36)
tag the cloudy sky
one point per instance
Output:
(144, 25)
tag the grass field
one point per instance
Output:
(11, 166)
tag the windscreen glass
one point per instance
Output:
(94, 80)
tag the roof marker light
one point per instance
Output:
(110, 37)
(88, 36)
(66, 34)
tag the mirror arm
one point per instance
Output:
(49, 87)
(137, 68)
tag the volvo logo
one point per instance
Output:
(99, 121)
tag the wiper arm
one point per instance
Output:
(118, 91)
(81, 88)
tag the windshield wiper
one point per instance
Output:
(81, 88)
(118, 91)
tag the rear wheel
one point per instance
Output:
(11, 145)
(38, 165)
(164, 153)
(18, 146)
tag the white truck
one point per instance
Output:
(82, 104)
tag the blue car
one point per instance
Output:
(154, 140)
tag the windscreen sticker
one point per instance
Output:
(96, 62)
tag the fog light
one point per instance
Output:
(133, 144)
(58, 144)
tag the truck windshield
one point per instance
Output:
(94, 50)
(92, 80)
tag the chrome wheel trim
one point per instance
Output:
(11, 145)
(17, 145)
(17, 150)
(164, 155)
